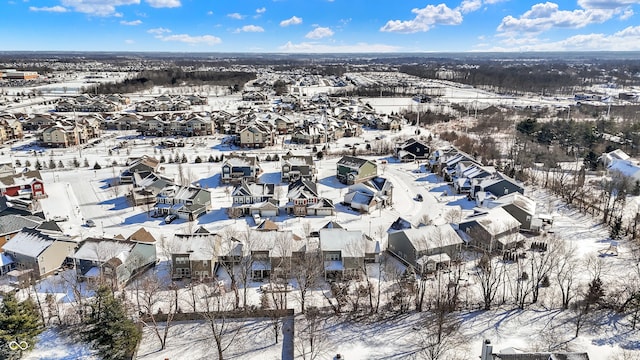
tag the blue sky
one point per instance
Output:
(319, 25)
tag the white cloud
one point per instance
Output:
(131, 23)
(425, 19)
(310, 47)
(294, 20)
(164, 3)
(319, 33)
(98, 7)
(627, 39)
(467, 6)
(606, 4)
(627, 14)
(158, 31)
(57, 8)
(129, 41)
(250, 28)
(193, 40)
(236, 16)
(542, 17)
(261, 10)
(209, 12)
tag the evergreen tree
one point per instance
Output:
(198, 160)
(211, 159)
(52, 164)
(18, 163)
(19, 321)
(97, 166)
(109, 331)
(76, 163)
(86, 163)
(60, 165)
(27, 163)
(184, 159)
(595, 293)
(38, 166)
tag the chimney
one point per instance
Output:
(487, 350)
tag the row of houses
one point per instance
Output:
(89, 103)
(168, 102)
(38, 252)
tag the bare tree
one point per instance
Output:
(151, 300)
(311, 341)
(306, 271)
(566, 268)
(216, 314)
(439, 335)
(489, 274)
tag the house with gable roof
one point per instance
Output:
(345, 252)
(370, 195)
(493, 230)
(25, 184)
(497, 184)
(426, 248)
(255, 198)
(351, 170)
(115, 260)
(412, 150)
(294, 167)
(196, 255)
(304, 200)
(38, 253)
(187, 202)
(237, 168)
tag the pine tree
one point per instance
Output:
(27, 163)
(52, 164)
(86, 163)
(198, 160)
(211, 159)
(97, 166)
(60, 165)
(19, 321)
(38, 165)
(184, 159)
(109, 330)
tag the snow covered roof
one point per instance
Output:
(198, 246)
(624, 168)
(349, 243)
(278, 243)
(432, 236)
(5, 260)
(495, 221)
(516, 199)
(102, 250)
(30, 242)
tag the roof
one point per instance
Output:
(495, 221)
(13, 223)
(267, 225)
(430, 237)
(103, 250)
(142, 235)
(352, 162)
(198, 246)
(624, 167)
(349, 243)
(543, 356)
(29, 242)
(518, 200)
(278, 243)
(23, 178)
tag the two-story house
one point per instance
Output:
(304, 200)
(493, 230)
(195, 256)
(187, 202)
(412, 150)
(294, 167)
(255, 198)
(115, 261)
(426, 248)
(143, 166)
(237, 168)
(345, 252)
(351, 170)
(369, 195)
(27, 184)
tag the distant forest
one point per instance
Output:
(175, 77)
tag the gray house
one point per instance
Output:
(116, 261)
(294, 167)
(240, 167)
(351, 170)
(520, 207)
(493, 230)
(187, 202)
(345, 252)
(426, 248)
(195, 256)
(498, 184)
(38, 253)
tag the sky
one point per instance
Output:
(319, 26)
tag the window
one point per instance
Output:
(506, 191)
(332, 257)
(182, 260)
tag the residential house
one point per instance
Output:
(63, 134)
(426, 248)
(126, 121)
(195, 256)
(493, 230)
(399, 225)
(115, 261)
(351, 170)
(311, 134)
(345, 252)
(255, 96)
(27, 184)
(304, 200)
(257, 134)
(237, 168)
(625, 169)
(6, 264)
(294, 167)
(187, 202)
(391, 123)
(610, 157)
(412, 150)
(6, 169)
(270, 254)
(497, 184)
(37, 253)
(142, 166)
(468, 171)
(369, 195)
(12, 224)
(520, 207)
(146, 189)
(516, 354)
(250, 198)
(12, 128)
